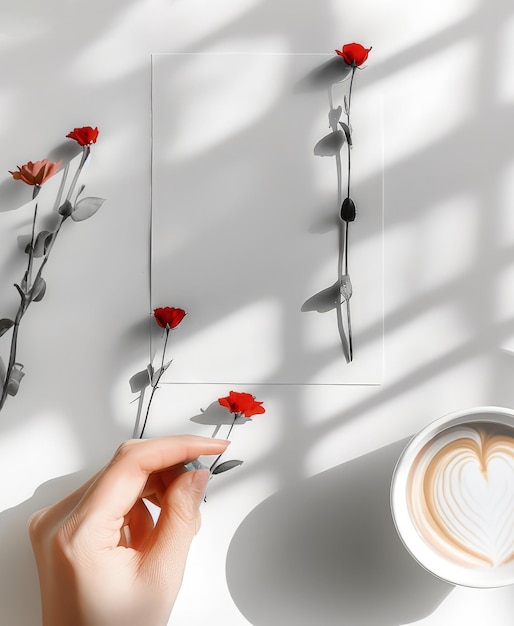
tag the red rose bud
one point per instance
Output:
(84, 136)
(348, 211)
(354, 54)
(168, 316)
(66, 209)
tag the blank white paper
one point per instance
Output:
(245, 220)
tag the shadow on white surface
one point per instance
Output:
(19, 588)
(327, 550)
(436, 263)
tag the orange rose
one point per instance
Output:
(36, 173)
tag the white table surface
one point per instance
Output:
(301, 533)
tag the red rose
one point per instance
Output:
(168, 316)
(244, 403)
(84, 136)
(36, 173)
(354, 54)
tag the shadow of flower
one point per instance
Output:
(217, 415)
(330, 144)
(333, 71)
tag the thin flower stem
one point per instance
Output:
(12, 352)
(213, 465)
(350, 96)
(347, 301)
(58, 197)
(345, 246)
(27, 279)
(154, 385)
(348, 146)
(26, 295)
(342, 264)
(85, 153)
(350, 341)
(236, 415)
(28, 273)
(345, 269)
(47, 255)
(25, 301)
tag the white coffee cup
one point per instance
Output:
(452, 497)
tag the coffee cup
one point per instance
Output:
(452, 497)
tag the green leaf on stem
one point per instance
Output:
(41, 244)
(22, 287)
(2, 374)
(347, 132)
(5, 324)
(38, 290)
(348, 210)
(65, 209)
(15, 379)
(86, 207)
(227, 465)
(158, 373)
(345, 288)
(47, 242)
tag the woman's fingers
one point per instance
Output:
(139, 523)
(123, 481)
(178, 523)
(158, 483)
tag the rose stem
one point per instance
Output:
(23, 304)
(85, 153)
(213, 465)
(347, 224)
(154, 386)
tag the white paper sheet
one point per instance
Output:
(244, 220)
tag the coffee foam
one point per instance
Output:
(460, 494)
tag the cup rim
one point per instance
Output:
(408, 533)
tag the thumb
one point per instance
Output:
(178, 523)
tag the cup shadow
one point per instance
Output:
(326, 552)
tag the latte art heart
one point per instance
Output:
(461, 500)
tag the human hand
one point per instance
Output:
(101, 561)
